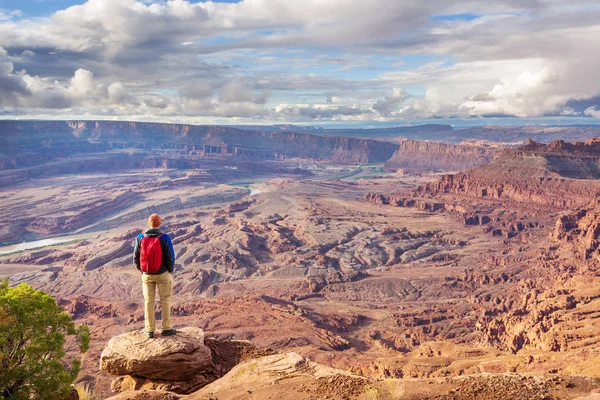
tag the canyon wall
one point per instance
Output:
(559, 175)
(509, 135)
(438, 156)
(29, 143)
(551, 192)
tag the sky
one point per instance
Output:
(314, 62)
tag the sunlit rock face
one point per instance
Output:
(174, 358)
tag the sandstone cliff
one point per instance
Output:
(25, 144)
(559, 175)
(438, 156)
(31, 149)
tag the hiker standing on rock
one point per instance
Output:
(154, 257)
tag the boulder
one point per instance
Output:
(146, 395)
(173, 358)
(127, 383)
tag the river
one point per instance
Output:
(32, 245)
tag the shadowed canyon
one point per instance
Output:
(311, 263)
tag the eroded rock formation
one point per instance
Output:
(286, 376)
(180, 364)
(558, 176)
(172, 145)
(176, 358)
(415, 155)
(582, 230)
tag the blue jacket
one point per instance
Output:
(166, 245)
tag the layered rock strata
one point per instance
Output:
(181, 364)
(178, 358)
(50, 140)
(557, 176)
(416, 155)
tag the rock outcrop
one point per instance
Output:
(146, 395)
(416, 155)
(286, 376)
(174, 358)
(180, 364)
(582, 230)
(558, 176)
(283, 376)
(554, 193)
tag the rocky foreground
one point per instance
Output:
(188, 366)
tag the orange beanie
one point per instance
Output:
(154, 221)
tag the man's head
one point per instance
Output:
(154, 221)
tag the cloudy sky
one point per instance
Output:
(300, 61)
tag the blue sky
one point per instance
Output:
(40, 8)
(36, 8)
(456, 17)
(300, 61)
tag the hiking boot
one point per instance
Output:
(150, 335)
(169, 332)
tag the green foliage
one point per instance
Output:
(33, 329)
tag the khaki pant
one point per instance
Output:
(164, 282)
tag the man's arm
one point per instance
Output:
(169, 253)
(136, 253)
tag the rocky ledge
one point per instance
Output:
(180, 364)
(175, 358)
(172, 367)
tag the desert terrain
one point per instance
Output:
(438, 269)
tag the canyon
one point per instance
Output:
(484, 134)
(348, 267)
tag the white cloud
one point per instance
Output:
(593, 112)
(235, 91)
(20, 90)
(278, 59)
(320, 112)
(527, 94)
(82, 82)
(6, 16)
(389, 104)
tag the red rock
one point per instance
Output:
(174, 358)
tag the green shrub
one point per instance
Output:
(33, 329)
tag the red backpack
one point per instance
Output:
(151, 254)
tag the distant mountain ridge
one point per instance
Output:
(411, 154)
(26, 143)
(62, 138)
(31, 149)
(559, 175)
(512, 135)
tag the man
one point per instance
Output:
(154, 257)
